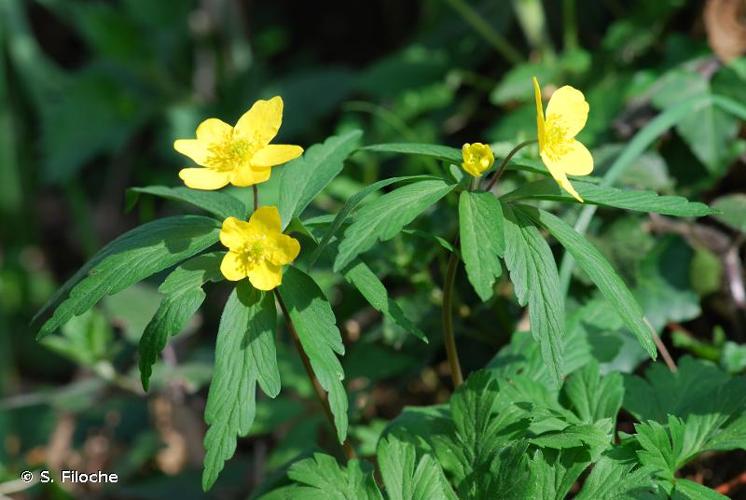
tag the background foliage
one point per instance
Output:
(93, 95)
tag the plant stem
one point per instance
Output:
(662, 348)
(320, 393)
(498, 42)
(256, 196)
(448, 337)
(499, 172)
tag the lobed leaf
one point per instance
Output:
(436, 151)
(385, 217)
(323, 479)
(536, 282)
(406, 477)
(243, 356)
(303, 178)
(217, 203)
(131, 258)
(482, 240)
(317, 331)
(601, 273)
(641, 201)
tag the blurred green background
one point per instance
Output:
(93, 93)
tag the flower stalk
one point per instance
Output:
(449, 338)
(347, 448)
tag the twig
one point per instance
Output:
(728, 487)
(499, 172)
(448, 336)
(320, 393)
(662, 348)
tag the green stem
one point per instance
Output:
(256, 196)
(349, 451)
(498, 42)
(448, 336)
(499, 172)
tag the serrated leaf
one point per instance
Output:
(553, 472)
(641, 201)
(533, 272)
(615, 479)
(481, 453)
(689, 490)
(242, 357)
(601, 273)
(323, 479)
(596, 436)
(482, 240)
(385, 217)
(406, 477)
(315, 324)
(170, 318)
(302, 179)
(593, 397)
(352, 203)
(437, 151)
(127, 260)
(183, 296)
(218, 203)
(359, 275)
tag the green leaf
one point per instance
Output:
(601, 273)
(641, 201)
(324, 479)
(733, 208)
(127, 260)
(302, 179)
(170, 318)
(533, 272)
(217, 203)
(481, 453)
(554, 472)
(244, 354)
(617, 479)
(406, 477)
(183, 296)
(383, 218)
(359, 275)
(686, 489)
(593, 397)
(352, 204)
(482, 240)
(317, 331)
(437, 151)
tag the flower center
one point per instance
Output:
(252, 252)
(228, 153)
(556, 140)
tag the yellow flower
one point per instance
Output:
(240, 155)
(257, 249)
(567, 113)
(477, 158)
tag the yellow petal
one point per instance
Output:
(539, 114)
(265, 276)
(266, 220)
(232, 268)
(193, 148)
(568, 108)
(275, 154)
(203, 178)
(577, 160)
(261, 122)
(213, 130)
(557, 169)
(233, 234)
(283, 250)
(246, 175)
